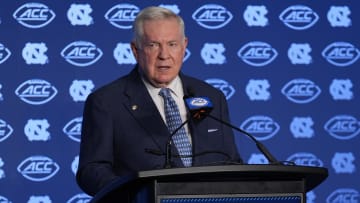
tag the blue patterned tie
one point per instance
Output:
(173, 121)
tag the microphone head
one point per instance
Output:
(199, 107)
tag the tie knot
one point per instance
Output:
(165, 92)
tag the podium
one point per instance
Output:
(216, 184)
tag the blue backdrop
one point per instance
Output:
(289, 69)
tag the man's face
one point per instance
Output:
(161, 51)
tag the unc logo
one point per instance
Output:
(258, 159)
(343, 195)
(39, 199)
(227, 89)
(255, 16)
(122, 15)
(341, 89)
(81, 53)
(5, 130)
(257, 53)
(338, 16)
(341, 54)
(300, 53)
(258, 90)
(34, 53)
(305, 159)
(80, 89)
(213, 53)
(212, 16)
(2, 172)
(301, 127)
(343, 162)
(123, 54)
(4, 53)
(79, 198)
(38, 168)
(34, 15)
(79, 14)
(301, 91)
(73, 129)
(36, 130)
(262, 127)
(75, 165)
(174, 8)
(343, 127)
(1, 96)
(299, 17)
(4, 199)
(199, 102)
(310, 197)
(36, 91)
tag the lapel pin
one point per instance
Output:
(134, 107)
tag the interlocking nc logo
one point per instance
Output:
(212, 16)
(123, 54)
(81, 53)
(73, 129)
(4, 53)
(299, 17)
(255, 16)
(5, 130)
(174, 8)
(36, 91)
(227, 89)
(338, 16)
(301, 127)
(341, 54)
(80, 89)
(122, 15)
(301, 91)
(34, 53)
(341, 89)
(258, 90)
(75, 165)
(1, 96)
(34, 15)
(300, 53)
(213, 53)
(310, 197)
(4, 199)
(257, 53)
(262, 127)
(2, 172)
(39, 199)
(343, 162)
(36, 130)
(38, 168)
(258, 159)
(343, 195)
(305, 159)
(79, 198)
(79, 14)
(343, 127)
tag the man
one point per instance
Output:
(125, 126)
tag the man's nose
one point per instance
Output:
(164, 52)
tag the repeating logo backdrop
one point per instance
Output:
(289, 70)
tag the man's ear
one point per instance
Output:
(135, 50)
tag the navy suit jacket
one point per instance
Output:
(121, 124)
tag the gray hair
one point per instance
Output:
(153, 13)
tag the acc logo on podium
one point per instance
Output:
(38, 168)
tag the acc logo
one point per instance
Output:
(213, 53)
(80, 89)
(343, 127)
(257, 53)
(174, 8)
(122, 15)
(341, 53)
(199, 102)
(343, 162)
(4, 200)
(79, 14)
(341, 89)
(36, 130)
(301, 127)
(2, 172)
(36, 91)
(299, 17)
(34, 15)
(255, 16)
(262, 127)
(75, 165)
(227, 89)
(73, 129)
(305, 159)
(258, 89)
(301, 91)
(343, 195)
(39, 199)
(299, 53)
(338, 16)
(123, 54)
(4, 53)
(212, 16)
(34, 53)
(187, 54)
(82, 197)
(81, 53)
(5, 130)
(38, 168)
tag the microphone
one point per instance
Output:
(200, 107)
